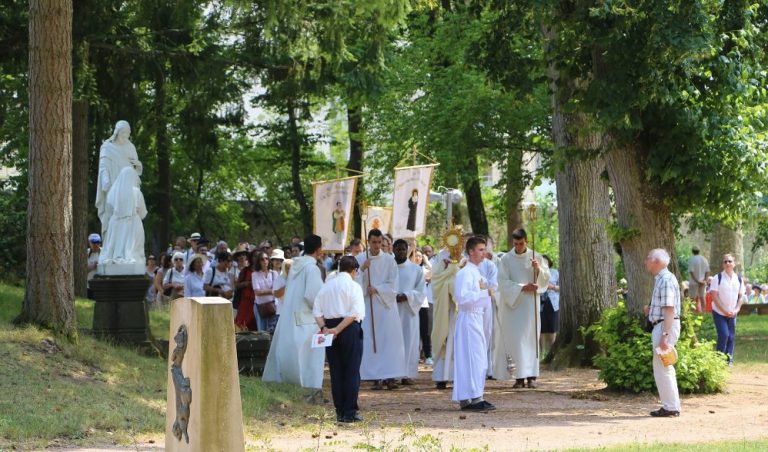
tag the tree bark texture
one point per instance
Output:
(295, 143)
(726, 241)
(163, 190)
(356, 150)
(515, 189)
(475, 206)
(49, 296)
(644, 222)
(80, 170)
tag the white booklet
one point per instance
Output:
(322, 340)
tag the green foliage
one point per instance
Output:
(626, 361)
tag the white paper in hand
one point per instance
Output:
(322, 340)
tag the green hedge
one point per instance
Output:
(625, 362)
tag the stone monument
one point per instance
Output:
(120, 284)
(204, 412)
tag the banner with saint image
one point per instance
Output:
(333, 203)
(378, 218)
(411, 196)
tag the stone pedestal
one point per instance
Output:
(120, 310)
(202, 364)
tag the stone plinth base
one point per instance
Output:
(120, 310)
(213, 420)
(137, 268)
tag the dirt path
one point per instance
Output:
(570, 409)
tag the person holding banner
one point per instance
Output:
(410, 296)
(383, 348)
(444, 318)
(522, 278)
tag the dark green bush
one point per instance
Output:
(626, 359)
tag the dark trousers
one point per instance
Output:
(726, 334)
(425, 332)
(344, 358)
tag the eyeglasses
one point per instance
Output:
(178, 259)
(727, 262)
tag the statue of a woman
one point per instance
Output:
(125, 242)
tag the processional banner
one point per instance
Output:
(333, 203)
(378, 218)
(411, 196)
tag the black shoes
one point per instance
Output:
(481, 406)
(442, 385)
(661, 412)
(519, 384)
(349, 419)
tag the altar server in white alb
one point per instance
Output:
(522, 278)
(291, 358)
(383, 349)
(444, 317)
(410, 297)
(473, 297)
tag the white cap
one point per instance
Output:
(94, 238)
(178, 255)
(195, 236)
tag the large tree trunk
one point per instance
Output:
(515, 189)
(356, 150)
(476, 208)
(726, 241)
(80, 166)
(644, 222)
(295, 143)
(163, 189)
(49, 295)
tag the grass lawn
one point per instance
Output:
(55, 393)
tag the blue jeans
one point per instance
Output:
(726, 334)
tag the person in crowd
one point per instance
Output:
(410, 296)
(339, 308)
(428, 252)
(266, 247)
(728, 293)
(664, 314)
(472, 293)
(698, 272)
(173, 279)
(194, 243)
(522, 278)
(444, 271)
(489, 270)
(295, 251)
(278, 289)
(245, 320)
(218, 281)
(425, 312)
(291, 358)
(276, 260)
(165, 264)
(262, 281)
(194, 281)
(202, 250)
(710, 297)
(756, 297)
(550, 309)
(94, 250)
(179, 244)
(151, 271)
(328, 262)
(383, 348)
(764, 289)
(355, 247)
(295, 240)
(386, 244)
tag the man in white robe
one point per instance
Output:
(383, 349)
(410, 297)
(518, 305)
(444, 319)
(490, 272)
(291, 358)
(473, 297)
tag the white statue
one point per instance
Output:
(120, 205)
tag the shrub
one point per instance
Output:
(625, 361)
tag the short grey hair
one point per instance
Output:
(660, 255)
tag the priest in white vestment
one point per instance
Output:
(383, 349)
(291, 357)
(410, 297)
(518, 304)
(444, 317)
(473, 297)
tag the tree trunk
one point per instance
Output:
(80, 167)
(726, 241)
(644, 222)
(295, 142)
(475, 206)
(515, 189)
(356, 150)
(163, 163)
(49, 295)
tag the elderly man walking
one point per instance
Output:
(664, 313)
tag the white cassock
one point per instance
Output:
(382, 318)
(443, 317)
(470, 346)
(490, 272)
(291, 358)
(518, 335)
(412, 284)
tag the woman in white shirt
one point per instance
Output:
(263, 281)
(425, 313)
(193, 282)
(173, 278)
(550, 309)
